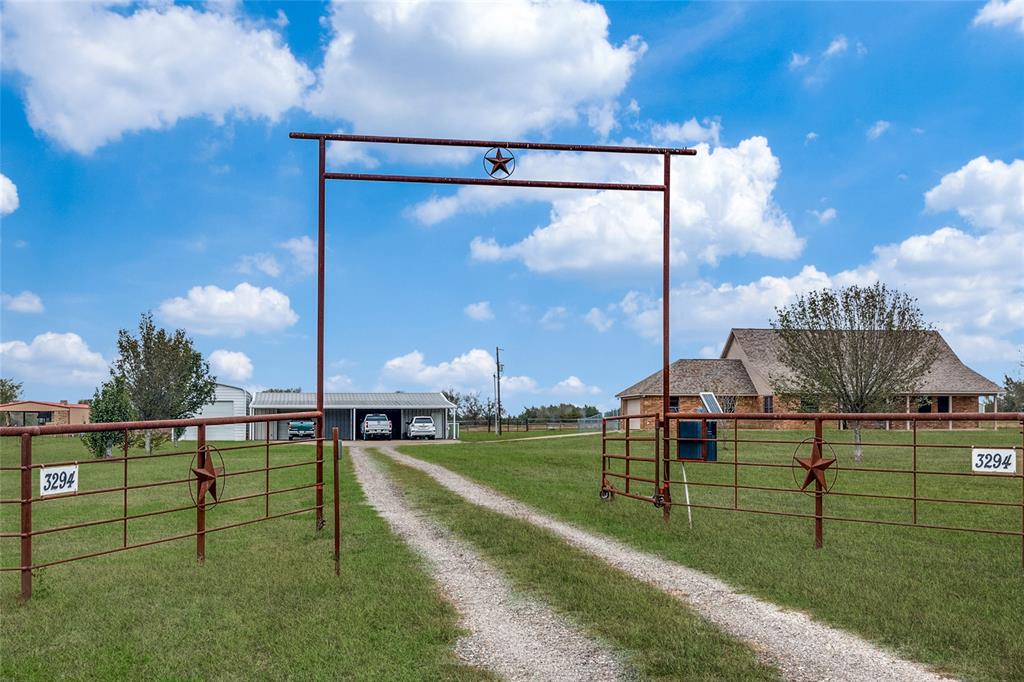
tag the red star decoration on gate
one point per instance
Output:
(499, 162)
(815, 466)
(207, 476)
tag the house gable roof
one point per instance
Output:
(948, 374)
(62, 406)
(307, 401)
(690, 377)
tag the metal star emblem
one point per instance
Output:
(207, 477)
(500, 163)
(815, 466)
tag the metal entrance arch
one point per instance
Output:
(502, 168)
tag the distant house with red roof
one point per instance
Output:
(39, 412)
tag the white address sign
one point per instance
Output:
(994, 460)
(57, 480)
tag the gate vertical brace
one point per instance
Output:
(320, 237)
(336, 456)
(818, 493)
(1021, 494)
(200, 500)
(26, 516)
(124, 499)
(665, 291)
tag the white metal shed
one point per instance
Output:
(228, 401)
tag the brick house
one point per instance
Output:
(40, 412)
(741, 378)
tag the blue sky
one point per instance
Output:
(147, 166)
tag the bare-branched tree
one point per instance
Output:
(853, 350)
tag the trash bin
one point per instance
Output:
(692, 449)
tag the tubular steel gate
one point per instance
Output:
(208, 478)
(745, 463)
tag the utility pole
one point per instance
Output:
(497, 361)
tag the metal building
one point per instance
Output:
(346, 411)
(228, 401)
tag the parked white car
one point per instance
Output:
(376, 426)
(422, 427)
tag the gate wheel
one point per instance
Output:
(606, 494)
(659, 501)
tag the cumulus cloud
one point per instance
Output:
(8, 196)
(303, 253)
(722, 204)
(573, 385)
(554, 317)
(473, 370)
(825, 216)
(94, 71)
(688, 132)
(1001, 13)
(479, 311)
(231, 365)
(339, 383)
(382, 64)
(53, 358)
(838, 46)
(798, 61)
(988, 194)
(25, 302)
(259, 262)
(215, 311)
(877, 130)
(810, 137)
(598, 320)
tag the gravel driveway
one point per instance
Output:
(516, 637)
(801, 648)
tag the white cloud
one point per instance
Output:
(231, 365)
(722, 204)
(259, 262)
(573, 385)
(862, 49)
(598, 320)
(518, 384)
(339, 383)
(303, 252)
(473, 370)
(810, 137)
(798, 61)
(215, 311)
(94, 72)
(838, 46)
(878, 129)
(824, 217)
(1001, 13)
(281, 20)
(988, 194)
(25, 302)
(452, 68)
(479, 311)
(53, 358)
(8, 196)
(688, 132)
(554, 317)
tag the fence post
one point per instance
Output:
(915, 471)
(26, 516)
(266, 472)
(124, 453)
(818, 494)
(320, 522)
(200, 503)
(337, 511)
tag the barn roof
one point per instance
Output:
(307, 401)
(948, 374)
(690, 377)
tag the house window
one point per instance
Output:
(924, 405)
(673, 403)
(769, 404)
(943, 403)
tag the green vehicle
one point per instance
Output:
(301, 429)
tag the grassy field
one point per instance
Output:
(953, 600)
(266, 604)
(491, 436)
(659, 637)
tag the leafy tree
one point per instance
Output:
(297, 389)
(560, 412)
(10, 390)
(855, 350)
(110, 403)
(165, 377)
(1013, 399)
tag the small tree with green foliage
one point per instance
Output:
(110, 403)
(10, 390)
(855, 350)
(164, 375)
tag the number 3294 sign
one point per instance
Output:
(58, 480)
(994, 460)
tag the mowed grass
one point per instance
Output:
(953, 600)
(491, 436)
(656, 634)
(265, 605)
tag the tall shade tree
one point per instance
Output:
(855, 350)
(10, 390)
(165, 376)
(110, 403)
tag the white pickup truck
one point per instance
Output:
(376, 426)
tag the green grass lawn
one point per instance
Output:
(266, 604)
(659, 637)
(489, 436)
(953, 600)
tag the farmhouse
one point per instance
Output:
(741, 378)
(228, 401)
(40, 412)
(346, 411)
